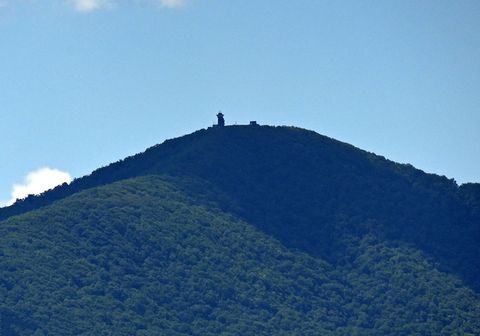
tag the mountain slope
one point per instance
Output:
(145, 256)
(310, 192)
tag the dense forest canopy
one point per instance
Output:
(142, 257)
(242, 230)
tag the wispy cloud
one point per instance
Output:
(37, 182)
(173, 3)
(90, 5)
(86, 6)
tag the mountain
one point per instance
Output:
(244, 230)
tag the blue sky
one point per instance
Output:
(87, 82)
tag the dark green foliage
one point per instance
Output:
(143, 257)
(245, 230)
(308, 191)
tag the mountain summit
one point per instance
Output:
(243, 230)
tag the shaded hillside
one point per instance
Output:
(145, 257)
(310, 191)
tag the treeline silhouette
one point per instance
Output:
(310, 192)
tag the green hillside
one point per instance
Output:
(159, 255)
(310, 192)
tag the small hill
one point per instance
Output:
(156, 255)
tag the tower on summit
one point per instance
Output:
(221, 121)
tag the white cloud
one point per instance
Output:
(37, 182)
(86, 6)
(172, 3)
(90, 5)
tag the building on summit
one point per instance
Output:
(221, 121)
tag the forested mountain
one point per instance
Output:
(245, 230)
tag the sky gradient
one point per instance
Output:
(85, 83)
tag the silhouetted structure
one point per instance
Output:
(253, 123)
(221, 121)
